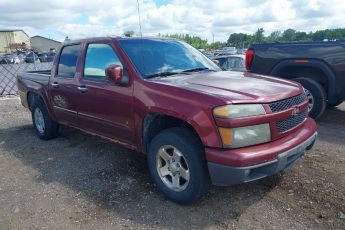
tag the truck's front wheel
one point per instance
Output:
(177, 165)
(45, 127)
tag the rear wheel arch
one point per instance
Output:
(315, 70)
(32, 98)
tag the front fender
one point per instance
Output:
(201, 120)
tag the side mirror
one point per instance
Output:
(114, 73)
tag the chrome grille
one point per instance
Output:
(291, 122)
(281, 105)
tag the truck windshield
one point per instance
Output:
(163, 57)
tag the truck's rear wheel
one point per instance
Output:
(44, 126)
(177, 165)
(316, 96)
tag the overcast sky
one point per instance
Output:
(205, 18)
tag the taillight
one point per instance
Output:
(249, 58)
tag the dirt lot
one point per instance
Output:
(81, 181)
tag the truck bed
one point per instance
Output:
(40, 77)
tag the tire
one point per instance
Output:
(317, 96)
(331, 105)
(192, 169)
(45, 127)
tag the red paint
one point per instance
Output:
(261, 153)
(117, 111)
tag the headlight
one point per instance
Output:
(241, 110)
(245, 136)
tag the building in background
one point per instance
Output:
(42, 44)
(10, 40)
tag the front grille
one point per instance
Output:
(291, 122)
(278, 106)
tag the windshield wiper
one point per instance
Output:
(197, 70)
(165, 74)
(161, 74)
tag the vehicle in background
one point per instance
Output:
(208, 53)
(229, 50)
(241, 51)
(164, 98)
(43, 57)
(32, 58)
(51, 56)
(46, 56)
(234, 62)
(318, 66)
(9, 59)
(21, 57)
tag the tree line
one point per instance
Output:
(243, 40)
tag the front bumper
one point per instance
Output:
(224, 174)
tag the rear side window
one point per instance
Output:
(68, 61)
(98, 58)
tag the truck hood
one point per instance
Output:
(235, 87)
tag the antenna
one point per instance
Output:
(141, 35)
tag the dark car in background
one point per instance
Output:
(46, 56)
(231, 62)
(32, 58)
(318, 66)
(43, 56)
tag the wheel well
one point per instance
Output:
(155, 123)
(32, 98)
(291, 72)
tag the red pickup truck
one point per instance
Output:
(196, 123)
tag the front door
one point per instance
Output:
(104, 107)
(62, 86)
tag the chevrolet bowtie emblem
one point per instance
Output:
(295, 111)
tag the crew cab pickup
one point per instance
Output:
(318, 66)
(196, 123)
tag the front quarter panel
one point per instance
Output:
(192, 107)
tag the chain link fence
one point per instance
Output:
(8, 75)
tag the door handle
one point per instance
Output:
(55, 84)
(82, 89)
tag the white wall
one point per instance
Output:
(42, 44)
(8, 37)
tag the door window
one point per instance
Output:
(98, 58)
(68, 61)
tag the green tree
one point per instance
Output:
(217, 45)
(129, 33)
(289, 35)
(302, 36)
(318, 35)
(194, 41)
(259, 36)
(239, 40)
(275, 36)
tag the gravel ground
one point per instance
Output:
(79, 181)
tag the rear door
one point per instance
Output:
(63, 85)
(104, 107)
